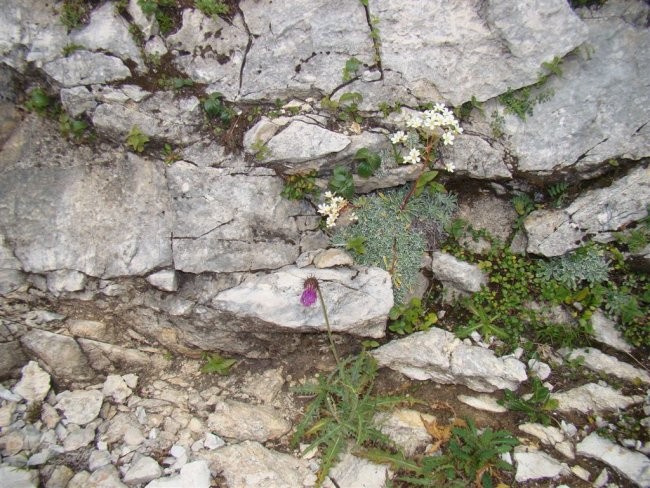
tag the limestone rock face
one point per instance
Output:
(357, 299)
(34, 383)
(440, 356)
(466, 56)
(596, 214)
(228, 222)
(243, 421)
(600, 106)
(301, 46)
(87, 68)
(102, 229)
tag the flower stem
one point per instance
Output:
(329, 329)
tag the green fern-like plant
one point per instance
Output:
(395, 238)
(558, 193)
(342, 410)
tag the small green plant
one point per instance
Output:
(518, 102)
(33, 412)
(497, 124)
(68, 49)
(341, 182)
(161, 10)
(369, 162)
(175, 83)
(351, 68)
(356, 244)
(343, 409)
(587, 264)
(73, 13)
(470, 458)
(136, 139)
(346, 107)
(537, 407)
(406, 319)
(261, 150)
(212, 8)
(386, 109)
(216, 109)
(636, 239)
(463, 111)
(214, 363)
(558, 193)
(169, 155)
(72, 128)
(137, 34)
(39, 101)
(300, 185)
(524, 206)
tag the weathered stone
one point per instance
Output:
(596, 360)
(80, 406)
(358, 299)
(457, 276)
(97, 459)
(539, 369)
(86, 68)
(18, 478)
(251, 464)
(388, 178)
(231, 222)
(12, 358)
(596, 213)
(301, 141)
(105, 477)
(77, 100)
(109, 32)
(120, 94)
(536, 465)
(265, 386)
(483, 402)
(79, 480)
(147, 24)
(34, 383)
(7, 414)
(165, 280)
(634, 465)
(354, 472)
(143, 470)
(605, 332)
(592, 116)
(550, 435)
(104, 356)
(300, 47)
(207, 153)
(61, 354)
(440, 356)
(489, 212)
(478, 157)
(161, 116)
(593, 398)
(88, 328)
(78, 437)
(211, 50)
(10, 276)
(481, 32)
(65, 280)
(102, 229)
(242, 421)
(193, 475)
(60, 477)
(405, 428)
(331, 258)
(116, 387)
(12, 443)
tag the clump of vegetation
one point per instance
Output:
(346, 107)
(406, 319)
(212, 8)
(216, 109)
(351, 68)
(72, 128)
(558, 193)
(217, 364)
(537, 407)
(261, 150)
(300, 185)
(68, 49)
(136, 139)
(74, 13)
(162, 10)
(587, 264)
(39, 102)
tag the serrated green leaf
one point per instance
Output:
(341, 182)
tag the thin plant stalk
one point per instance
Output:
(327, 324)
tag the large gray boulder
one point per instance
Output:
(87, 68)
(595, 214)
(600, 106)
(301, 46)
(440, 356)
(474, 48)
(357, 299)
(103, 220)
(225, 222)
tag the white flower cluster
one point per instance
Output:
(332, 208)
(439, 120)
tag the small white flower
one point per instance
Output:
(447, 138)
(398, 137)
(328, 195)
(450, 167)
(413, 157)
(415, 122)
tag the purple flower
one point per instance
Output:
(309, 292)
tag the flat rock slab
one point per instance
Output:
(593, 114)
(536, 465)
(634, 465)
(596, 213)
(251, 464)
(358, 300)
(596, 360)
(301, 141)
(243, 421)
(439, 356)
(226, 222)
(80, 406)
(355, 472)
(86, 68)
(94, 216)
(594, 398)
(471, 48)
(34, 383)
